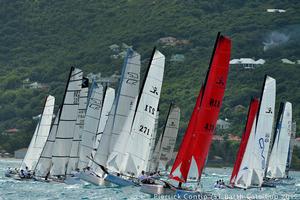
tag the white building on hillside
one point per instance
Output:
(247, 63)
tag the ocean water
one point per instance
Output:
(11, 189)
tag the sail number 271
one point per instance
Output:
(144, 129)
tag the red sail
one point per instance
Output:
(198, 136)
(253, 109)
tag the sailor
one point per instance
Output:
(143, 176)
(22, 175)
(27, 172)
(75, 172)
(180, 185)
(8, 172)
(47, 175)
(216, 185)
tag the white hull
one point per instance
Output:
(93, 179)
(72, 180)
(155, 189)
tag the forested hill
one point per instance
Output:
(41, 39)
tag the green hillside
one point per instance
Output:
(41, 39)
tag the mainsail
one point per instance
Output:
(40, 136)
(237, 170)
(44, 163)
(263, 130)
(166, 143)
(124, 101)
(106, 108)
(169, 137)
(291, 148)
(74, 155)
(131, 152)
(91, 123)
(280, 148)
(197, 139)
(154, 151)
(66, 123)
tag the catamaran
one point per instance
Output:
(91, 123)
(238, 175)
(130, 154)
(280, 147)
(106, 108)
(66, 125)
(123, 103)
(195, 145)
(44, 163)
(251, 170)
(38, 140)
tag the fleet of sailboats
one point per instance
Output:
(251, 164)
(106, 137)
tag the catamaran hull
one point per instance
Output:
(117, 180)
(93, 179)
(155, 189)
(72, 180)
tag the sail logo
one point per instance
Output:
(269, 110)
(262, 147)
(172, 124)
(154, 90)
(220, 81)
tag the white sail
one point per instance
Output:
(74, 155)
(244, 176)
(154, 150)
(169, 138)
(253, 164)
(134, 158)
(106, 108)
(263, 130)
(66, 124)
(280, 150)
(44, 163)
(40, 136)
(91, 123)
(164, 148)
(291, 149)
(124, 101)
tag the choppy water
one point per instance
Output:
(31, 190)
